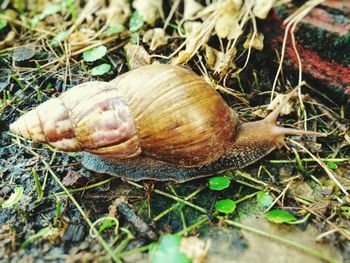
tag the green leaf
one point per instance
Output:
(95, 53)
(134, 38)
(14, 197)
(114, 30)
(167, 250)
(49, 10)
(264, 199)
(101, 69)
(332, 165)
(136, 22)
(219, 183)
(3, 24)
(52, 9)
(280, 216)
(59, 38)
(226, 206)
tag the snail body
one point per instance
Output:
(156, 122)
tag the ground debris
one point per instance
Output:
(74, 179)
(137, 56)
(74, 233)
(120, 206)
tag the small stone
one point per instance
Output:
(327, 191)
(24, 53)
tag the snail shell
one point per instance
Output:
(157, 122)
(163, 111)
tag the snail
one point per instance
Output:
(158, 122)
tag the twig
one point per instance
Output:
(278, 197)
(323, 165)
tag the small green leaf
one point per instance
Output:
(14, 197)
(49, 10)
(226, 206)
(52, 9)
(280, 216)
(264, 199)
(100, 70)
(219, 183)
(134, 38)
(59, 38)
(167, 250)
(95, 53)
(332, 165)
(3, 24)
(136, 22)
(114, 30)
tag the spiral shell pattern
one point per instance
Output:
(90, 117)
(161, 111)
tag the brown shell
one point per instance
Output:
(163, 111)
(90, 117)
(180, 118)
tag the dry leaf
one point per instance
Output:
(80, 39)
(261, 113)
(192, 29)
(183, 57)
(8, 39)
(155, 37)
(150, 10)
(226, 62)
(137, 56)
(227, 26)
(257, 43)
(211, 56)
(117, 12)
(229, 7)
(218, 61)
(288, 107)
(262, 8)
(191, 7)
(90, 8)
(195, 248)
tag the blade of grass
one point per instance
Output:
(38, 188)
(82, 188)
(310, 160)
(324, 166)
(201, 209)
